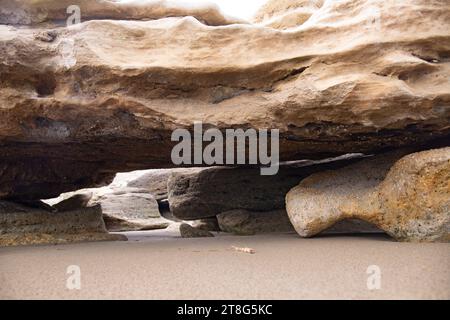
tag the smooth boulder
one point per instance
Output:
(408, 197)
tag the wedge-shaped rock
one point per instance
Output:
(407, 198)
(123, 208)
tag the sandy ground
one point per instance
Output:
(159, 265)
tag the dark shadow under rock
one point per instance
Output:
(244, 222)
(187, 231)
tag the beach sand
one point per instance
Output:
(160, 265)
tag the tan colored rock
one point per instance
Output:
(26, 12)
(22, 225)
(154, 181)
(244, 222)
(123, 208)
(78, 104)
(407, 197)
(188, 231)
(130, 209)
(286, 14)
(273, 8)
(77, 201)
(196, 193)
(207, 224)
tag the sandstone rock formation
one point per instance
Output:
(188, 231)
(207, 224)
(80, 103)
(285, 14)
(244, 222)
(130, 209)
(123, 208)
(26, 12)
(407, 198)
(154, 181)
(22, 225)
(74, 202)
(205, 192)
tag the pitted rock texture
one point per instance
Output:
(407, 197)
(80, 103)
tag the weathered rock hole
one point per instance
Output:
(293, 73)
(45, 85)
(428, 59)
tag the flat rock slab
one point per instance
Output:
(21, 225)
(123, 208)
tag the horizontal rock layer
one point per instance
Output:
(80, 103)
(26, 12)
(22, 225)
(123, 208)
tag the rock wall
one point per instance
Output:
(80, 103)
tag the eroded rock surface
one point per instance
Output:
(130, 209)
(78, 104)
(22, 225)
(406, 196)
(154, 181)
(285, 14)
(205, 192)
(123, 208)
(188, 231)
(244, 222)
(26, 12)
(207, 224)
